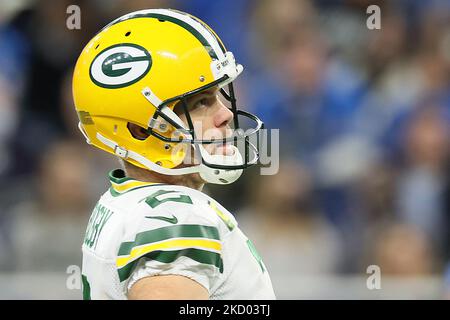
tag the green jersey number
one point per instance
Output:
(159, 197)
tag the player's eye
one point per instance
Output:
(204, 102)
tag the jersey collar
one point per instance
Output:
(121, 184)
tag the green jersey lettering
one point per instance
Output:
(97, 221)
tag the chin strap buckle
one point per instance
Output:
(121, 152)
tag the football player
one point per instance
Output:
(154, 87)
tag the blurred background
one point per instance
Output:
(364, 143)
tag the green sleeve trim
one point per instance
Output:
(177, 231)
(201, 256)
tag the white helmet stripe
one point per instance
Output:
(194, 24)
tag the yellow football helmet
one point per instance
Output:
(135, 70)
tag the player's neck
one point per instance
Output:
(190, 180)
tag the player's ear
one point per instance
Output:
(137, 132)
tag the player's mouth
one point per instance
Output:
(224, 149)
(220, 149)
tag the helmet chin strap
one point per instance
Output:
(220, 176)
(210, 175)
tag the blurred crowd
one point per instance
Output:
(364, 132)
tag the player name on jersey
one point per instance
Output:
(99, 217)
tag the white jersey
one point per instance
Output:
(139, 229)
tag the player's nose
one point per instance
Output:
(223, 115)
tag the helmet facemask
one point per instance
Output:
(213, 168)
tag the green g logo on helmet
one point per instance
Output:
(120, 65)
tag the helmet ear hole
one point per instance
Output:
(137, 132)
